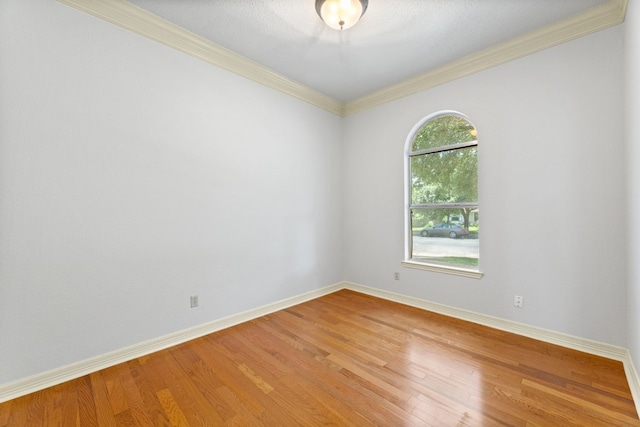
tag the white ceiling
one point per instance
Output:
(394, 41)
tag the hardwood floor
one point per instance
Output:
(344, 359)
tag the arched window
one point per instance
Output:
(441, 195)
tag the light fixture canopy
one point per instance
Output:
(341, 14)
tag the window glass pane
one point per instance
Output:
(445, 177)
(446, 236)
(445, 130)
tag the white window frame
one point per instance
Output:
(408, 152)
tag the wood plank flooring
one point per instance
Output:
(346, 359)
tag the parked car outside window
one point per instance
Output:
(444, 230)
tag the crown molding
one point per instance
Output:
(130, 17)
(137, 20)
(592, 20)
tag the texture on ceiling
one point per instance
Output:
(397, 49)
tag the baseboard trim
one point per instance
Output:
(581, 344)
(576, 343)
(634, 381)
(66, 373)
(56, 376)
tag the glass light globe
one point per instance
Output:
(341, 14)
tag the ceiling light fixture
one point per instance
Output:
(341, 14)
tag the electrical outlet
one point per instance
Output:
(396, 276)
(194, 301)
(518, 301)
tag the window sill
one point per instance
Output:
(444, 269)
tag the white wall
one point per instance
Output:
(552, 190)
(133, 176)
(632, 136)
